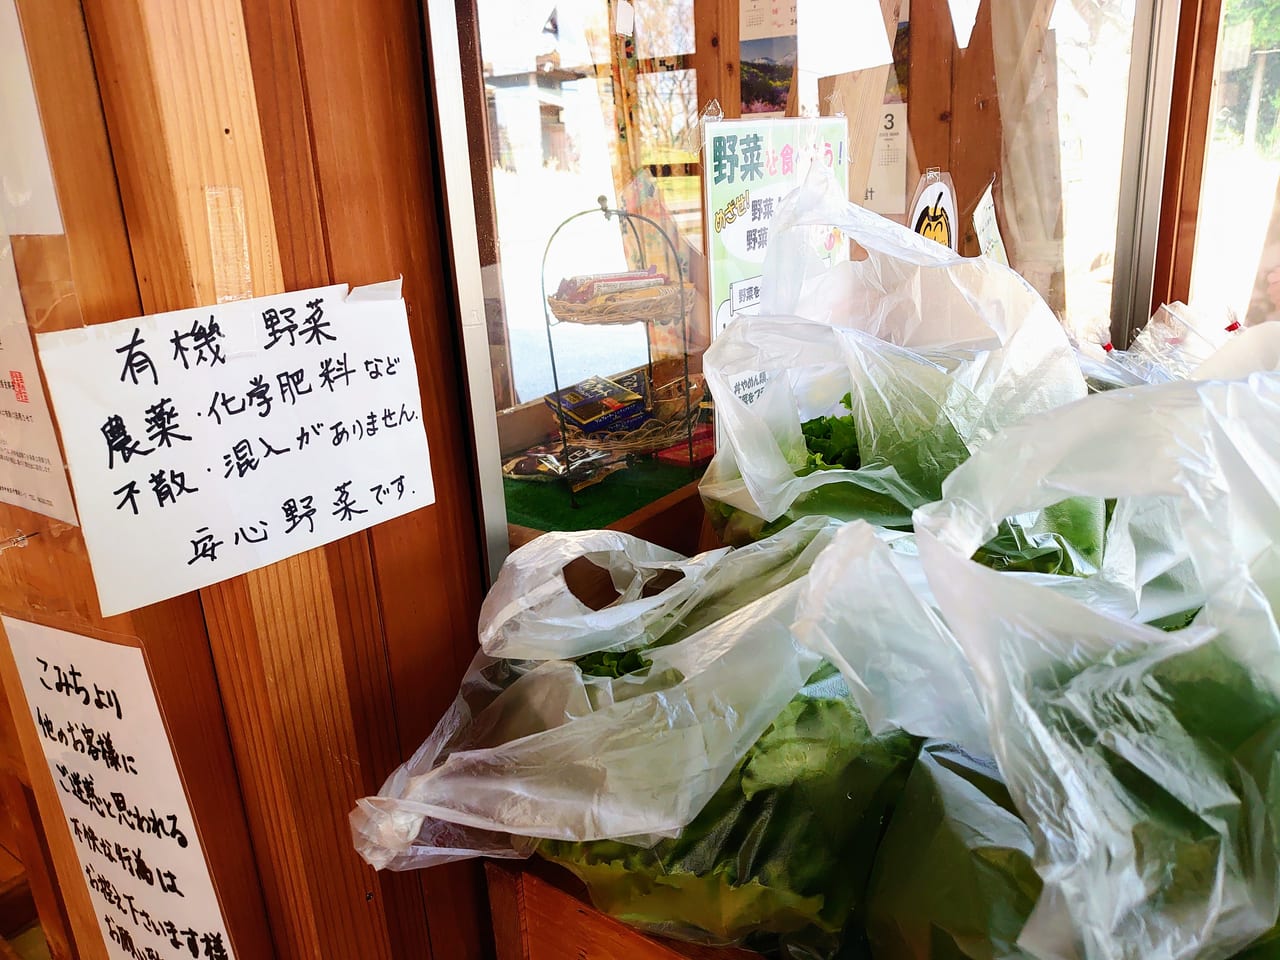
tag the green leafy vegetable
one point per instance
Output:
(780, 855)
(832, 442)
(1178, 753)
(612, 663)
(1068, 540)
(954, 876)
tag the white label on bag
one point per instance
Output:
(748, 386)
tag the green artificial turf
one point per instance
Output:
(546, 506)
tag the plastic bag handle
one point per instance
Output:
(819, 202)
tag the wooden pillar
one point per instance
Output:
(1190, 124)
(87, 275)
(331, 665)
(976, 130)
(716, 55)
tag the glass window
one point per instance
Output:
(567, 115)
(576, 117)
(1064, 130)
(1236, 265)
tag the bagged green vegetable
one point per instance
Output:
(1146, 762)
(627, 734)
(780, 856)
(953, 876)
(902, 365)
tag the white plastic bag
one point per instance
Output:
(1146, 762)
(936, 351)
(530, 611)
(867, 608)
(1251, 350)
(536, 748)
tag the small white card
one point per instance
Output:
(624, 19)
(987, 227)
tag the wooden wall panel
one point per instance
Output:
(377, 182)
(929, 96)
(299, 645)
(715, 55)
(976, 132)
(88, 276)
(33, 849)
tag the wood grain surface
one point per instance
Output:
(1189, 127)
(88, 276)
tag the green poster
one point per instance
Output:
(750, 166)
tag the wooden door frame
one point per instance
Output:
(88, 276)
(1190, 124)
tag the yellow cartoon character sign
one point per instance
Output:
(933, 211)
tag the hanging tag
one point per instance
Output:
(987, 227)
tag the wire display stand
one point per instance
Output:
(673, 300)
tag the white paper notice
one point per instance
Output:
(987, 228)
(624, 22)
(837, 38)
(28, 202)
(100, 728)
(209, 442)
(31, 472)
(887, 182)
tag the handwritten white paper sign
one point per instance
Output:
(209, 442)
(98, 723)
(31, 472)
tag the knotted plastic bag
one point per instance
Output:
(599, 747)
(1145, 761)
(922, 353)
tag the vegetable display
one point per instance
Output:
(1067, 540)
(990, 670)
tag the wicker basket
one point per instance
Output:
(650, 436)
(632, 306)
(669, 400)
(671, 422)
